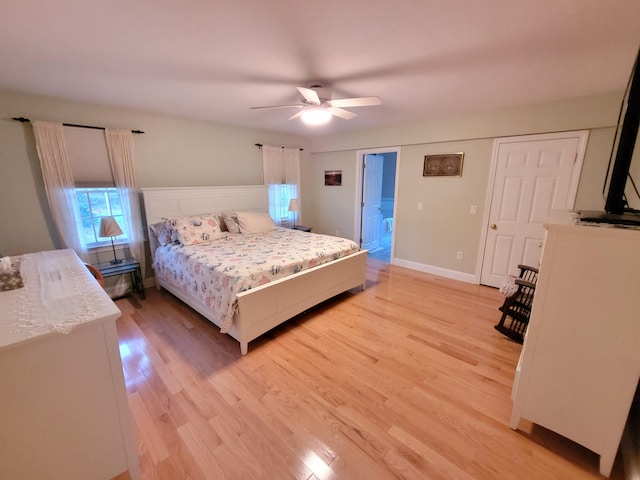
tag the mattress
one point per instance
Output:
(214, 272)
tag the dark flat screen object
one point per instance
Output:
(597, 216)
(624, 145)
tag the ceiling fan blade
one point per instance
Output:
(309, 95)
(340, 113)
(356, 102)
(296, 115)
(277, 106)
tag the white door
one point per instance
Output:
(533, 176)
(372, 201)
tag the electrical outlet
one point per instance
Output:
(420, 206)
(459, 255)
(473, 210)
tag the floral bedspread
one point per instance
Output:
(214, 272)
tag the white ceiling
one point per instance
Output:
(213, 59)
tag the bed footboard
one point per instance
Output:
(263, 308)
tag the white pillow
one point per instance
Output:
(254, 222)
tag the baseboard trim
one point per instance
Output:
(441, 272)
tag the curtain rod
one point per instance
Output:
(259, 145)
(23, 120)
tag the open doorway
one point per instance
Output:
(376, 201)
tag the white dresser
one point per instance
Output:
(63, 403)
(580, 361)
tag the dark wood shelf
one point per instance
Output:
(127, 265)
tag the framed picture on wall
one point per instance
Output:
(333, 177)
(447, 165)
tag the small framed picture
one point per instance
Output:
(448, 165)
(333, 177)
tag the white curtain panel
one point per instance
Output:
(291, 162)
(121, 158)
(59, 184)
(272, 165)
(281, 168)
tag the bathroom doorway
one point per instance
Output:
(376, 197)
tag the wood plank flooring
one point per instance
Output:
(407, 379)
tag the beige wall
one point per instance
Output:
(181, 152)
(331, 209)
(431, 238)
(569, 114)
(594, 170)
(172, 152)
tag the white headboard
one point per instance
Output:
(179, 201)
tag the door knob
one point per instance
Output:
(493, 226)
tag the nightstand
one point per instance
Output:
(302, 228)
(128, 265)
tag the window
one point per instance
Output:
(279, 196)
(94, 204)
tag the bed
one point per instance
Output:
(256, 309)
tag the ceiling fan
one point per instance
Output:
(317, 107)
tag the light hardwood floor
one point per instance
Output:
(407, 379)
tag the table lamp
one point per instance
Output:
(294, 206)
(110, 228)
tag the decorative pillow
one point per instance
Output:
(162, 231)
(255, 222)
(231, 221)
(194, 229)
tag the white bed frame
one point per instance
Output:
(262, 308)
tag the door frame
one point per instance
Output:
(371, 159)
(581, 135)
(357, 218)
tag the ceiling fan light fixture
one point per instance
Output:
(317, 107)
(316, 116)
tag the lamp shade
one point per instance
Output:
(109, 227)
(294, 205)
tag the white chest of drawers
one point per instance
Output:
(580, 361)
(63, 404)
